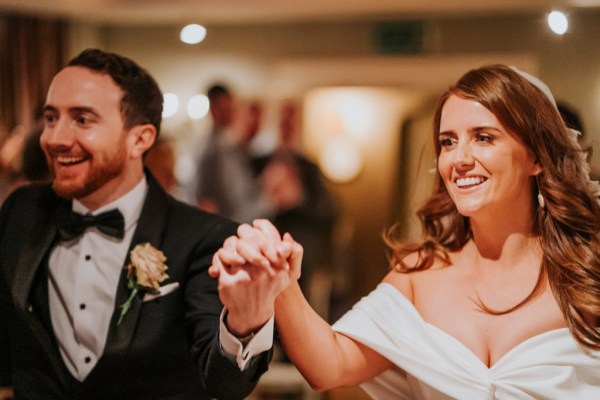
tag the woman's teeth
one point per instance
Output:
(470, 181)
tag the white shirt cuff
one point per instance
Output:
(234, 348)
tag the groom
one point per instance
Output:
(63, 331)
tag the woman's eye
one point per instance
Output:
(445, 142)
(484, 138)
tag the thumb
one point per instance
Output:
(215, 269)
(295, 258)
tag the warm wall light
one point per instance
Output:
(558, 22)
(170, 105)
(198, 106)
(192, 34)
(340, 160)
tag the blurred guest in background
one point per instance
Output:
(22, 159)
(226, 184)
(11, 153)
(248, 124)
(161, 161)
(311, 212)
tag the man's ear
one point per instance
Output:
(142, 138)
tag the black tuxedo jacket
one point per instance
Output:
(166, 348)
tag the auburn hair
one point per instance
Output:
(569, 224)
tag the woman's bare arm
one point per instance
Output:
(326, 359)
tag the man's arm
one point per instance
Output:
(219, 372)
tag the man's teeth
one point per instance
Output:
(470, 181)
(68, 160)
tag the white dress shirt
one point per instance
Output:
(83, 277)
(82, 285)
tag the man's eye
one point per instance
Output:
(82, 120)
(49, 118)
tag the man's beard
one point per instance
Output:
(96, 178)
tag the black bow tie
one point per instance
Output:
(72, 224)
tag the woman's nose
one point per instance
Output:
(463, 154)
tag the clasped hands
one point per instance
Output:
(253, 268)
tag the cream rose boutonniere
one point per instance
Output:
(145, 272)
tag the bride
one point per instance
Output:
(500, 299)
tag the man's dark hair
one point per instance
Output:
(216, 91)
(142, 101)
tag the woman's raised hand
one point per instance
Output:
(253, 268)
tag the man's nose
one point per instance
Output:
(58, 134)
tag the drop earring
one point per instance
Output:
(540, 198)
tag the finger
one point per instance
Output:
(268, 229)
(249, 234)
(295, 258)
(230, 242)
(252, 254)
(270, 241)
(230, 257)
(214, 271)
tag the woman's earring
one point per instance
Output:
(541, 201)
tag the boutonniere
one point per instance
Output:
(145, 272)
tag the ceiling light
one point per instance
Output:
(192, 34)
(170, 104)
(558, 22)
(198, 106)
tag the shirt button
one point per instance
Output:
(29, 308)
(82, 306)
(87, 360)
(88, 257)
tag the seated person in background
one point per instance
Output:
(499, 299)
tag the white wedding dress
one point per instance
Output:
(431, 364)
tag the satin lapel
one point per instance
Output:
(150, 228)
(26, 270)
(30, 263)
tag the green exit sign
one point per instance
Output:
(402, 37)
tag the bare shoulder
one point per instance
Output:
(408, 283)
(401, 281)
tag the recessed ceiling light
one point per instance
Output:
(558, 22)
(192, 34)
(170, 105)
(198, 106)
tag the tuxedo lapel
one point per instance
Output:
(150, 228)
(30, 262)
(29, 265)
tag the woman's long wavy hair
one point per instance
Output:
(569, 225)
